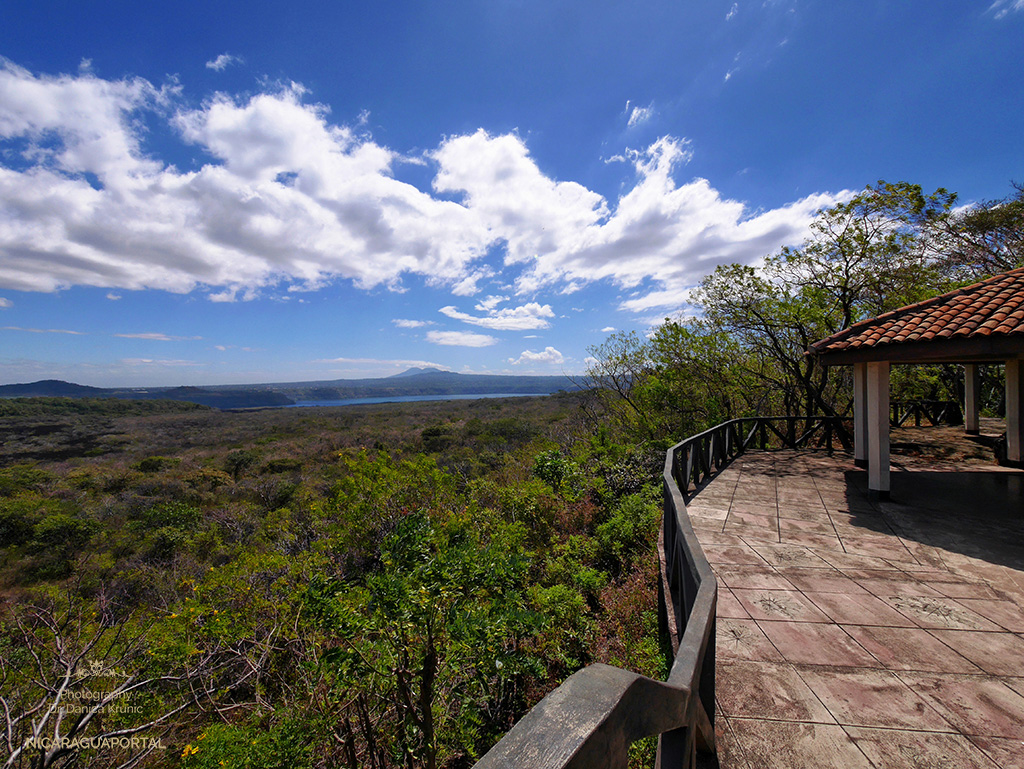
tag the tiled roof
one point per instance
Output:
(990, 309)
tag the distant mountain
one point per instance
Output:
(417, 370)
(51, 388)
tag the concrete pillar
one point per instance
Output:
(972, 385)
(1014, 410)
(860, 414)
(878, 428)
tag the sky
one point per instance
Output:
(222, 192)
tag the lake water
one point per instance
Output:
(410, 399)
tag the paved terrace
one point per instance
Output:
(857, 633)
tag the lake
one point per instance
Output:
(410, 399)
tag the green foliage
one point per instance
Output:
(240, 460)
(18, 478)
(632, 528)
(154, 464)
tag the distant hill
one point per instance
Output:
(414, 381)
(51, 388)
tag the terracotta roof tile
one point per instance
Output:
(992, 307)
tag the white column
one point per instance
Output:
(860, 414)
(878, 428)
(972, 384)
(1014, 410)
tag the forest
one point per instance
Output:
(396, 585)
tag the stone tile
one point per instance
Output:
(750, 577)
(901, 749)
(711, 512)
(910, 648)
(755, 520)
(872, 698)
(816, 644)
(788, 745)
(728, 749)
(801, 514)
(753, 507)
(858, 609)
(812, 541)
(975, 705)
(1007, 753)
(951, 587)
(789, 555)
(889, 549)
(806, 527)
(753, 534)
(784, 605)
(885, 588)
(996, 653)
(742, 639)
(733, 554)
(846, 561)
(938, 612)
(1006, 614)
(816, 580)
(728, 606)
(753, 689)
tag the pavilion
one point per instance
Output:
(979, 324)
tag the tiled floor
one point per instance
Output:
(858, 633)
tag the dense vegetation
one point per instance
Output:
(368, 586)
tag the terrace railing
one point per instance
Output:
(590, 721)
(935, 412)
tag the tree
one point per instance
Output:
(988, 238)
(866, 256)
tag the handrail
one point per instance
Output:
(590, 721)
(936, 412)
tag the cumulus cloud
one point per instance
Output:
(550, 356)
(5, 303)
(221, 62)
(608, 329)
(292, 198)
(404, 323)
(460, 339)
(527, 317)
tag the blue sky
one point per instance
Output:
(204, 193)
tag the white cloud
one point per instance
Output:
(221, 62)
(1002, 8)
(732, 12)
(158, 362)
(460, 339)
(403, 323)
(157, 337)
(529, 316)
(5, 303)
(639, 115)
(549, 356)
(608, 329)
(487, 304)
(44, 330)
(113, 297)
(291, 198)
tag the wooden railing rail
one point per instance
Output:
(590, 721)
(935, 412)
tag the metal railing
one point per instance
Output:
(935, 412)
(590, 721)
